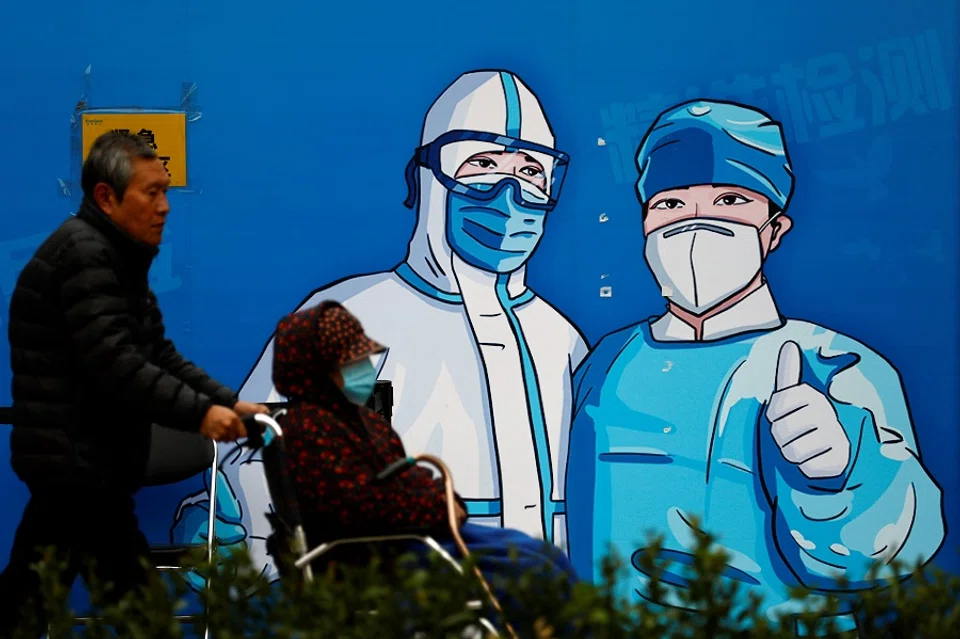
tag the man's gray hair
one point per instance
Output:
(111, 161)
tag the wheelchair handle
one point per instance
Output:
(257, 425)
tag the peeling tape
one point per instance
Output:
(188, 101)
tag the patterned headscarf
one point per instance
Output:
(312, 343)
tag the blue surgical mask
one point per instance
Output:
(359, 379)
(497, 234)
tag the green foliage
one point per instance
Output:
(405, 599)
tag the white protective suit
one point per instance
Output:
(477, 368)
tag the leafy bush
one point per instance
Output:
(429, 601)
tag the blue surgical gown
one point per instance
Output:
(665, 432)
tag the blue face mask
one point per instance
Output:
(359, 379)
(497, 234)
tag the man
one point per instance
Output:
(92, 370)
(791, 442)
(481, 366)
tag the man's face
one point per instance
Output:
(143, 211)
(734, 204)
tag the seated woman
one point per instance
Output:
(336, 446)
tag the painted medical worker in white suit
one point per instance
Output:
(481, 367)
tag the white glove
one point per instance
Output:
(804, 423)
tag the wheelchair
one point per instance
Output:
(264, 432)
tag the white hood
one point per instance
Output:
(487, 101)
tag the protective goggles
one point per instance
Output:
(480, 165)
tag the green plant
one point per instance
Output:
(427, 600)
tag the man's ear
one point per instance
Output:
(779, 227)
(105, 198)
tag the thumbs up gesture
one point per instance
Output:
(804, 423)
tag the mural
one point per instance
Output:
(791, 442)
(481, 366)
(558, 197)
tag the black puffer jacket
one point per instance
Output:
(92, 367)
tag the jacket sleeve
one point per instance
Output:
(100, 328)
(343, 479)
(170, 359)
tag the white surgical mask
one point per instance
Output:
(700, 262)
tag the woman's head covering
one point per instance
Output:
(312, 343)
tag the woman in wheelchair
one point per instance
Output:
(336, 447)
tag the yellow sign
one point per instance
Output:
(165, 132)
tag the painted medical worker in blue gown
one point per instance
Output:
(791, 442)
(481, 367)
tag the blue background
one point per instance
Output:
(310, 113)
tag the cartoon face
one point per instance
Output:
(500, 232)
(516, 164)
(720, 202)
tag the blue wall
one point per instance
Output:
(310, 113)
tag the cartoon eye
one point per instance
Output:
(484, 163)
(532, 171)
(731, 199)
(668, 204)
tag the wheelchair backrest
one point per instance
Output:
(282, 494)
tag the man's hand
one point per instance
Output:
(222, 425)
(248, 408)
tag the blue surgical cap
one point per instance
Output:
(703, 142)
